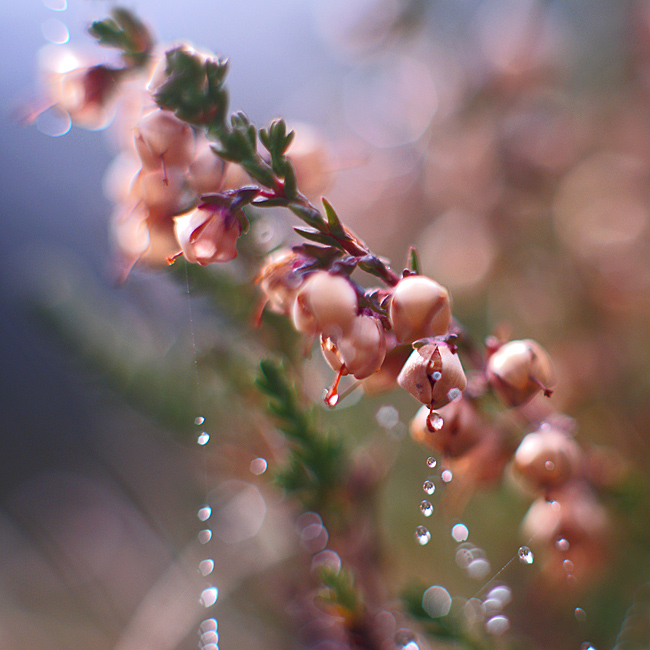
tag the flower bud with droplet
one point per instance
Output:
(208, 234)
(361, 350)
(518, 370)
(419, 308)
(433, 374)
(162, 139)
(547, 458)
(460, 428)
(280, 281)
(326, 303)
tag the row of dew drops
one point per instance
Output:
(436, 599)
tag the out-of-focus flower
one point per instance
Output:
(419, 308)
(518, 370)
(161, 139)
(279, 280)
(208, 234)
(433, 374)
(207, 170)
(311, 160)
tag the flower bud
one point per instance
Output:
(456, 429)
(164, 192)
(160, 137)
(518, 370)
(279, 280)
(362, 350)
(433, 374)
(326, 303)
(547, 458)
(419, 308)
(207, 235)
(206, 172)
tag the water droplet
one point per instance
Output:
(525, 555)
(203, 438)
(501, 593)
(258, 466)
(55, 31)
(208, 638)
(550, 465)
(434, 421)
(478, 568)
(555, 505)
(474, 611)
(422, 535)
(428, 487)
(436, 375)
(314, 537)
(210, 646)
(497, 625)
(56, 5)
(209, 625)
(332, 400)
(436, 601)
(459, 532)
(204, 513)
(568, 566)
(54, 122)
(327, 558)
(205, 536)
(426, 508)
(463, 558)
(454, 394)
(446, 475)
(580, 614)
(587, 646)
(199, 420)
(387, 417)
(562, 545)
(405, 639)
(431, 462)
(206, 567)
(209, 596)
(493, 606)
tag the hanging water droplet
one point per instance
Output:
(55, 31)
(199, 420)
(550, 465)
(54, 122)
(428, 487)
(436, 375)
(206, 567)
(203, 438)
(463, 558)
(209, 596)
(580, 614)
(204, 513)
(562, 545)
(446, 475)
(587, 646)
(208, 639)
(525, 555)
(422, 535)
(502, 593)
(497, 625)
(571, 580)
(209, 625)
(258, 466)
(205, 536)
(434, 421)
(459, 532)
(332, 400)
(568, 566)
(436, 601)
(426, 508)
(431, 462)
(478, 569)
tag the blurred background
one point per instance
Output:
(508, 139)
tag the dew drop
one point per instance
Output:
(493, 606)
(332, 400)
(555, 505)
(208, 638)
(422, 535)
(587, 646)
(436, 375)
(459, 532)
(568, 566)
(258, 466)
(55, 31)
(497, 625)
(209, 625)
(580, 614)
(428, 487)
(478, 569)
(203, 438)
(206, 567)
(426, 508)
(204, 513)
(436, 601)
(571, 580)
(525, 555)
(454, 394)
(209, 596)
(550, 465)
(199, 420)
(562, 544)
(431, 462)
(463, 558)
(54, 122)
(210, 646)
(205, 536)
(446, 476)
(434, 421)
(502, 593)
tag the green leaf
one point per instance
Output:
(333, 221)
(317, 236)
